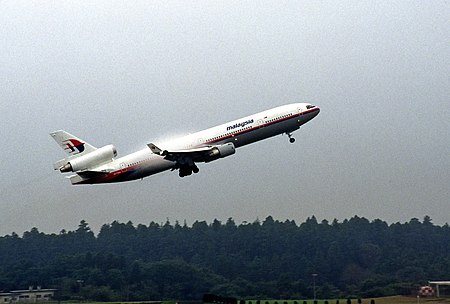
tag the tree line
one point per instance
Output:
(268, 259)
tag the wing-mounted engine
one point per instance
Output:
(220, 152)
(87, 161)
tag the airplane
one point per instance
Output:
(93, 165)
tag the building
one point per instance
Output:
(5, 297)
(27, 295)
(439, 283)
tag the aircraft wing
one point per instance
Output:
(158, 151)
(200, 154)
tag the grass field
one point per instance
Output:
(410, 300)
(385, 300)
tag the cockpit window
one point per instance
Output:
(310, 107)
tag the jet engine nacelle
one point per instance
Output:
(221, 152)
(100, 156)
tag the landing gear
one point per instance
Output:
(184, 171)
(291, 139)
(188, 170)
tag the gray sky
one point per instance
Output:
(133, 72)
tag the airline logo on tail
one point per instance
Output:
(73, 144)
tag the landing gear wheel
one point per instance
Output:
(186, 171)
(291, 139)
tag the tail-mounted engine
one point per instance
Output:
(93, 159)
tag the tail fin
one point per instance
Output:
(72, 144)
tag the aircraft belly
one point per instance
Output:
(152, 166)
(281, 127)
(155, 166)
(265, 132)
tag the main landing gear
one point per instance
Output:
(188, 170)
(291, 139)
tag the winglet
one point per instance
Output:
(155, 149)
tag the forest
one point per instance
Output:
(259, 260)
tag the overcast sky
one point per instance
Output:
(134, 72)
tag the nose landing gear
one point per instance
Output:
(291, 139)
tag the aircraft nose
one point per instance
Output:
(312, 110)
(316, 111)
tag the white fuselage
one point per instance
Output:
(240, 132)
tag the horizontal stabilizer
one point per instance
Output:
(60, 163)
(89, 173)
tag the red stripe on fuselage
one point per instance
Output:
(111, 176)
(263, 125)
